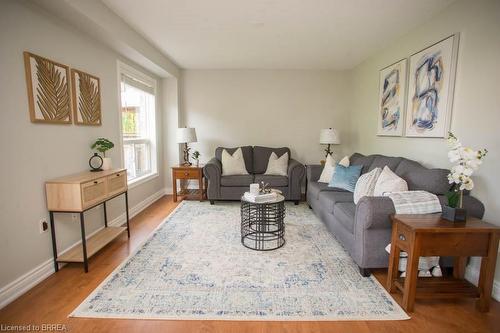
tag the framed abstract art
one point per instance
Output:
(392, 93)
(430, 89)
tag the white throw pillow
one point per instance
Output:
(388, 182)
(329, 168)
(277, 166)
(365, 186)
(233, 164)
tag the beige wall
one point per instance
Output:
(32, 153)
(476, 110)
(264, 107)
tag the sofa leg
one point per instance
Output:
(365, 272)
(296, 202)
(212, 202)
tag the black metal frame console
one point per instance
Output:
(82, 227)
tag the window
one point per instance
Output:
(138, 126)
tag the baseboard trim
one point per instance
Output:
(22, 284)
(472, 275)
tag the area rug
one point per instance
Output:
(194, 267)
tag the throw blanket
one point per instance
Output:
(415, 202)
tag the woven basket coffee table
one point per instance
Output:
(262, 224)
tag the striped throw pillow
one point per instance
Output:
(365, 185)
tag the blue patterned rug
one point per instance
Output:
(194, 267)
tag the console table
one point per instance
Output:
(78, 193)
(430, 235)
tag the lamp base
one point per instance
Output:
(186, 155)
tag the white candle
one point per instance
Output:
(254, 189)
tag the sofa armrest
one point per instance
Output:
(213, 171)
(374, 213)
(314, 172)
(296, 172)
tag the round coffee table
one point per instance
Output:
(262, 224)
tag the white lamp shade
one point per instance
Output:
(329, 136)
(186, 135)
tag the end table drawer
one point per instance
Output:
(117, 183)
(93, 191)
(187, 174)
(403, 236)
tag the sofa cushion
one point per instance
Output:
(273, 180)
(315, 188)
(344, 213)
(365, 161)
(421, 178)
(236, 180)
(247, 155)
(261, 157)
(380, 161)
(328, 199)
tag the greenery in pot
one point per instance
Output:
(467, 161)
(196, 155)
(102, 145)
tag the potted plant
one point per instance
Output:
(466, 162)
(102, 145)
(196, 156)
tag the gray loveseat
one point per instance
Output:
(256, 160)
(365, 229)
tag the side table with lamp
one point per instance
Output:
(186, 170)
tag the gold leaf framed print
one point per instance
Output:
(86, 98)
(48, 90)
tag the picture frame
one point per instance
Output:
(431, 88)
(86, 97)
(48, 88)
(392, 99)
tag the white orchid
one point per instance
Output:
(467, 161)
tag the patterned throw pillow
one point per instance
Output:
(329, 168)
(366, 184)
(233, 164)
(388, 182)
(345, 177)
(277, 165)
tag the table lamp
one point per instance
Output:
(185, 136)
(329, 136)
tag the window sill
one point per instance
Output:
(141, 180)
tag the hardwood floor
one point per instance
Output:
(52, 300)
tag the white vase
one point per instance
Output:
(106, 163)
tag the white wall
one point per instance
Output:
(476, 110)
(273, 108)
(33, 153)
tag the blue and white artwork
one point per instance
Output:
(430, 91)
(392, 92)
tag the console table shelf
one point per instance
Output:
(94, 244)
(78, 193)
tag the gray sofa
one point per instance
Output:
(256, 160)
(365, 229)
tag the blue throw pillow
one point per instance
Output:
(345, 177)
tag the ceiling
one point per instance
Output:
(273, 34)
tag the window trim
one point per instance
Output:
(123, 68)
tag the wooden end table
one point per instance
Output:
(189, 172)
(430, 235)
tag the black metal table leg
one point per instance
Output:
(84, 244)
(126, 212)
(54, 244)
(105, 215)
